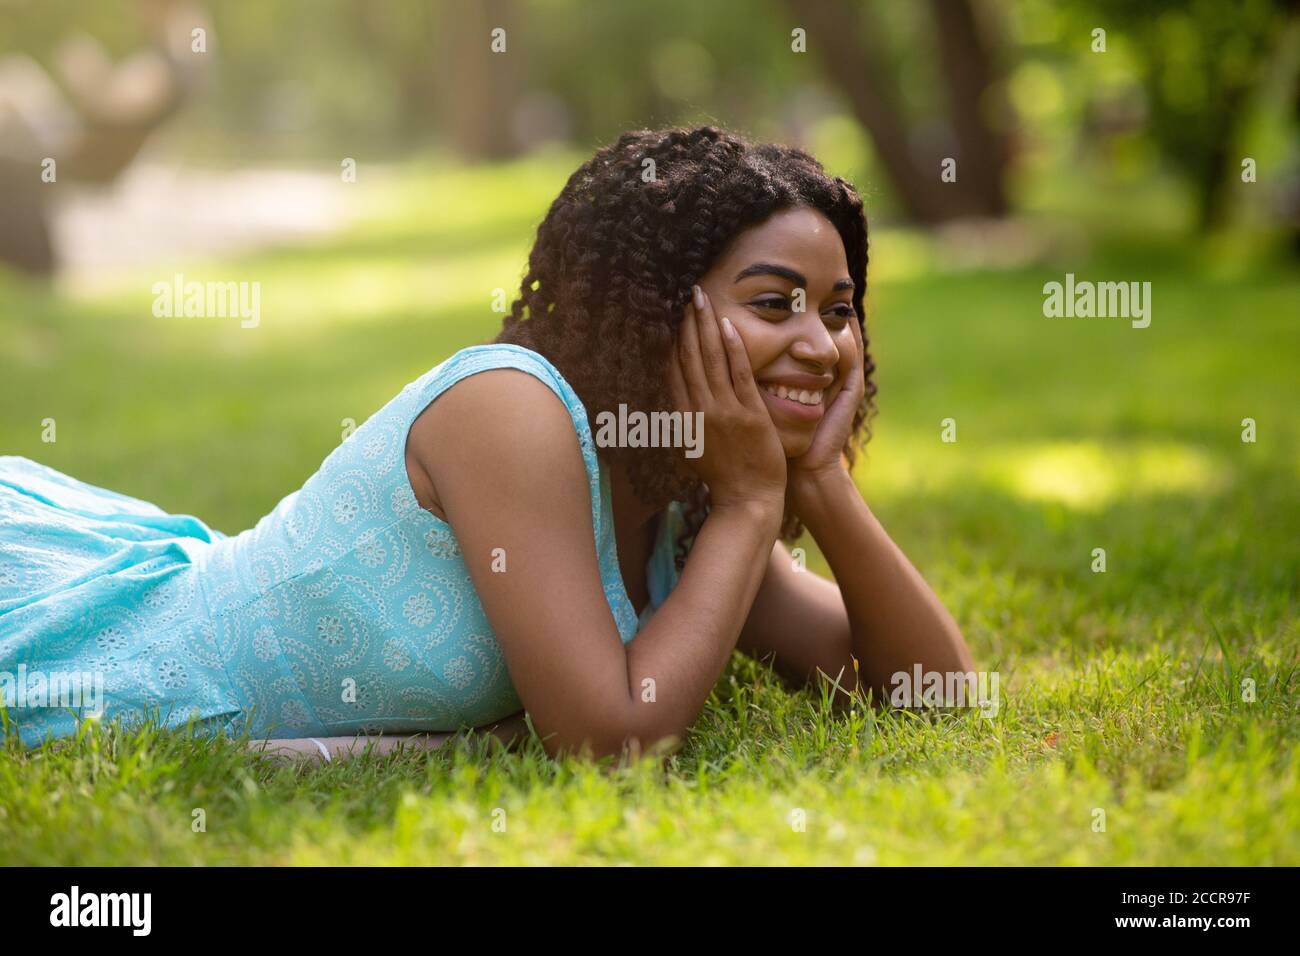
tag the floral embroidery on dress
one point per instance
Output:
(442, 543)
(459, 673)
(345, 508)
(172, 673)
(370, 552)
(374, 448)
(265, 645)
(418, 610)
(112, 639)
(403, 501)
(396, 656)
(330, 630)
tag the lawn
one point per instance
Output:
(1148, 713)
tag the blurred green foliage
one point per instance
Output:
(1184, 88)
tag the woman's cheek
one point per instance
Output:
(751, 336)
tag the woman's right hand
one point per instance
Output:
(742, 460)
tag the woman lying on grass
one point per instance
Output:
(472, 551)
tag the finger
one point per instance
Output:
(688, 346)
(858, 378)
(742, 374)
(681, 396)
(711, 350)
(859, 342)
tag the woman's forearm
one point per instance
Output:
(677, 658)
(895, 620)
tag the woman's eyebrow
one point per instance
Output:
(771, 269)
(784, 272)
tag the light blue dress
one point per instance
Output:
(348, 608)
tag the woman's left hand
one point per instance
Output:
(825, 455)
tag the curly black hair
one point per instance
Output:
(612, 268)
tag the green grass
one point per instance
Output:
(1121, 692)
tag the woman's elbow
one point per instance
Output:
(623, 735)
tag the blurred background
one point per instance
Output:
(379, 169)
(1163, 103)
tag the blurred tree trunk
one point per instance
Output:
(1217, 168)
(94, 124)
(401, 37)
(975, 107)
(1291, 200)
(24, 224)
(477, 88)
(846, 38)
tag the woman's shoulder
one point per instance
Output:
(501, 447)
(496, 406)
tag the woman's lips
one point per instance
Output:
(797, 396)
(793, 408)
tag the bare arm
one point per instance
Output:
(878, 610)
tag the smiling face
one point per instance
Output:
(801, 352)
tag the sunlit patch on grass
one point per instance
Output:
(1089, 475)
(295, 296)
(1083, 475)
(368, 290)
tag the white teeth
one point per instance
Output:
(802, 396)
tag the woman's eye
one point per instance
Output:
(839, 316)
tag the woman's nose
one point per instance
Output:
(812, 342)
